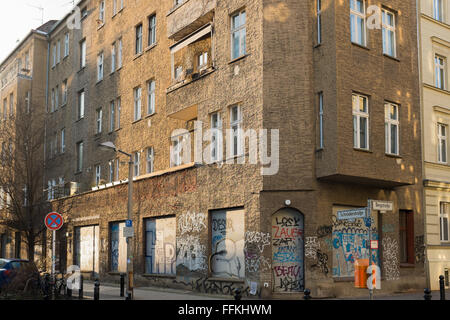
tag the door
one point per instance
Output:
(288, 251)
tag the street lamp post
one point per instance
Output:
(130, 240)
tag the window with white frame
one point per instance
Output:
(112, 116)
(27, 60)
(119, 53)
(152, 30)
(136, 164)
(64, 92)
(321, 141)
(391, 124)
(98, 174)
(151, 86)
(58, 51)
(66, 44)
(238, 35)
(389, 33)
(236, 128)
(54, 55)
(442, 143)
(439, 67)
(216, 133)
(202, 60)
(56, 97)
(443, 221)
(63, 140)
(101, 13)
(117, 169)
(80, 151)
(11, 104)
(319, 21)
(99, 116)
(358, 21)
(438, 10)
(118, 107)
(52, 108)
(178, 72)
(82, 53)
(150, 160)
(114, 11)
(81, 102)
(360, 122)
(111, 171)
(137, 103)
(100, 67)
(138, 47)
(175, 157)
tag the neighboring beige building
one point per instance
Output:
(435, 55)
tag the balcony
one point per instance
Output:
(189, 16)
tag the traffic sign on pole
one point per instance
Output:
(53, 221)
(351, 214)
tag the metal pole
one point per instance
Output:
(369, 214)
(53, 262)
(442, 287)
(129, 277)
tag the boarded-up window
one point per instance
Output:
(160, 249)
(118, 248)
(227, 259)
(86, 248)
(406, 226)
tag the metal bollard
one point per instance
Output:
(307, 294)
(442, 287)
(237, 294)
(80, 291)
(97, 290)
(427, 295)
(122, 284)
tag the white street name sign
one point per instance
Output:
(382, 205)
(351, 214)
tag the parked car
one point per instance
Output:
(9, 268)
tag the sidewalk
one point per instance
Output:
(419, 295)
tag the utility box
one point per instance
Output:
(361, 266)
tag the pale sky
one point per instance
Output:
(18, 17)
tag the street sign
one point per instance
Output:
(53, 221)
(374, 244)
(382, 205)
(351, 214)
(128, 232)
(129, 223)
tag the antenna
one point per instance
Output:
(42, 12)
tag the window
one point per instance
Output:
(66, 44)
(235, 124)
(82, 53)
(389, 41)
(442, 143)
(118, 106)
(238, 35)
(99, 117)
(112, 116)
(178, 72)
(113, 57)
(58, 52)
(138, 48)
(175, 156)
(137, 104)
(391, 124)
(52, 108)
(117, 169)
(27, 60)
(119, 53)
(101, 13)
(202, 60)
(443, 221)
(136, 164)
(439, 65)
(111, 170)
(358, 22)
(11, 104)
(152, 30)
(118, 254)
(63, 140)
(216, 143)
(54, 56)
(319, 21)
(321, 144)
(100, 67)
(360, 122)
(84, 13)
(98, 173)
(81, 103)
(150, 160)
(160, 246)
(406, 245)
(56, 98)
(151, 97)
(5, 109)
(80, 146)
(64, 92)
(438, 10)
(117, 6)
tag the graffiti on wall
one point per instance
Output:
(210, 286)
(160, 253)
(255, 244)
(191, 222)
(311, 246)
(287, 251)
(350, 243)
(227, 257)
(191, 253)
(390, 258)
(419, 248)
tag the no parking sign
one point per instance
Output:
(53, 221)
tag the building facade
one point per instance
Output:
(434, 50)
(250, 124)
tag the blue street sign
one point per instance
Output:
(129, 223)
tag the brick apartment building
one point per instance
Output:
(341, 96)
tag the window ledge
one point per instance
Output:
(239, 58)
(407, 265)
(150, 47)
(81, 69)
(101, 26)
(319, 150)
(64, 105)
(391, 57)
(318, 45)
(396, 156)
(363, 150)
(78, 173)
(360, 46)
(136, 121)
(138, 55)
(150, 115)
(78, 120)
(99, 81)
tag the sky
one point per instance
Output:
(18, 17)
